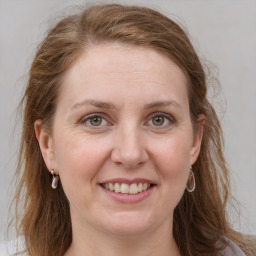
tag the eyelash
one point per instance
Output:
(90, 117)
(166, 117)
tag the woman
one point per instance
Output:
(116, 119)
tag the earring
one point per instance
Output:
(55, 179)
(192, 177)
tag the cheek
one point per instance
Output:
(172, 159)
(173, 154)
(78, 161)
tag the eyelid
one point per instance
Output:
(85, 118)
(107, 119)
(170, 118)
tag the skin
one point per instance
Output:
(144, 131)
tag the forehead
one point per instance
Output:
(104, 65)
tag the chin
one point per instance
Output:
(128, 224)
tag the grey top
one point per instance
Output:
(232, 249)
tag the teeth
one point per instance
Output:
(126, 188)
(133, 188)
(117, 188)
(145, 186)
(111, 187)
(140, 187)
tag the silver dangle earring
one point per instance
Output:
(55, 179)
(191, 180)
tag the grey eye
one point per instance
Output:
(95, 121)
(158, 120)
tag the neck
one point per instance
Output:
(97, 243)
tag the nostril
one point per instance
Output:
(129, 157)
(130, 164)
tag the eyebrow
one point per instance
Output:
(106, 105)
(98, 104)
(163, 104)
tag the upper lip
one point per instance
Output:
(128, 181)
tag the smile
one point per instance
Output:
(125, 188)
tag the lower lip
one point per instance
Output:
(129, 198)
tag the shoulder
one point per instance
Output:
(10, 248)
(232, 249)
(4, 250)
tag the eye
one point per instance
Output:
(161, 120)
(94, 120)
(158, 120)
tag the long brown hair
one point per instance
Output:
(42, 214)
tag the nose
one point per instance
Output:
(130, 148)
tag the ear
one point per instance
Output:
(198, 136)
(46, 144)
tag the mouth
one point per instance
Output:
(125, 188)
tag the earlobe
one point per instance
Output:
(197, 139)
(46, 144)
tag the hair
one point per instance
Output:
(42, 214)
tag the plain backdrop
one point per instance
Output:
(222, 31)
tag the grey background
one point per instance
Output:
(222, 32)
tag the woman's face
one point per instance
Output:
(122, 139)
